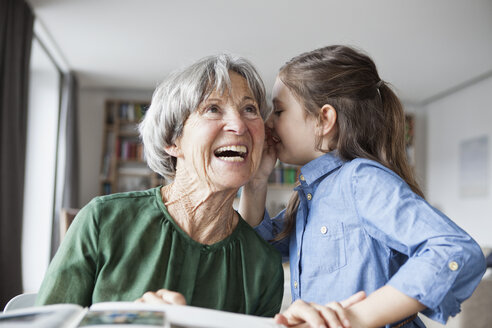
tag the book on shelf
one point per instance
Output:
(106, 167)
(107, 188)
(284, 174)
(130, 150)
(128, 314)
(132, 112)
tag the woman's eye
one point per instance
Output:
(212, 109)
(251, 109)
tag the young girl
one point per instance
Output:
(357, 220)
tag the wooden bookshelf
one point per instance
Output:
(123, 167)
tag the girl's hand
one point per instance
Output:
(162, 296)
(314, 315)
(253, 195)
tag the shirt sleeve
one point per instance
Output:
(444, 263)
(269, 228)
(71, 273)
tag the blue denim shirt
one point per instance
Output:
(359, 226)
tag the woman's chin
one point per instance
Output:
(230, 182)
(237, 173)
(233, 184)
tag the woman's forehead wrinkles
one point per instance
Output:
(237, 98)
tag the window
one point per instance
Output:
(39, 186)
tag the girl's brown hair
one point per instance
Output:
(370, 117)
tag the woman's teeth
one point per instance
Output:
(232, 153)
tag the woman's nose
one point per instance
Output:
(235, 123)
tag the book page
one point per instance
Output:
(48, 316)
(183, 316)
(134, 318)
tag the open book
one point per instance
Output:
(127, 314)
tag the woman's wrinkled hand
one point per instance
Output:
(162, 296)
(334, 315)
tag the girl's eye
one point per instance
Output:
(277, 112)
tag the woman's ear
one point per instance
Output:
(173, 150)
(328, 119)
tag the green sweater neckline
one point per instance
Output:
(204, 247)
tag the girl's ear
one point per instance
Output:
(328, 119)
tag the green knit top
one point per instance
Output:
(123, 245)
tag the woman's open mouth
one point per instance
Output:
(234, 153)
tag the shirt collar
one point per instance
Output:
(321, 166)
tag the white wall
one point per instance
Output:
(453, 119)
(91, 124)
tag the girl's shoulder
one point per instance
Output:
(364, 166)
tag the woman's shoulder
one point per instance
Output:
(123, 200)
(255, 244)
(125, 196)
(108, 208)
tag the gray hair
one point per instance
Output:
(180, 95)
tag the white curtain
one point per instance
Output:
(67, 171)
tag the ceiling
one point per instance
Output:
(423, 47)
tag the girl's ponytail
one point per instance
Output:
(393, 152)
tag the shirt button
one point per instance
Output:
(309, 196)
(323, 230)
(298, 253)
(295, 284)
(453, 266)
(302, 178)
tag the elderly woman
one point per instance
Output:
(204, 131)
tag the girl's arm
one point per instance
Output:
(253, 195)
(384, 306)
(253, 200)
(444, 264)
